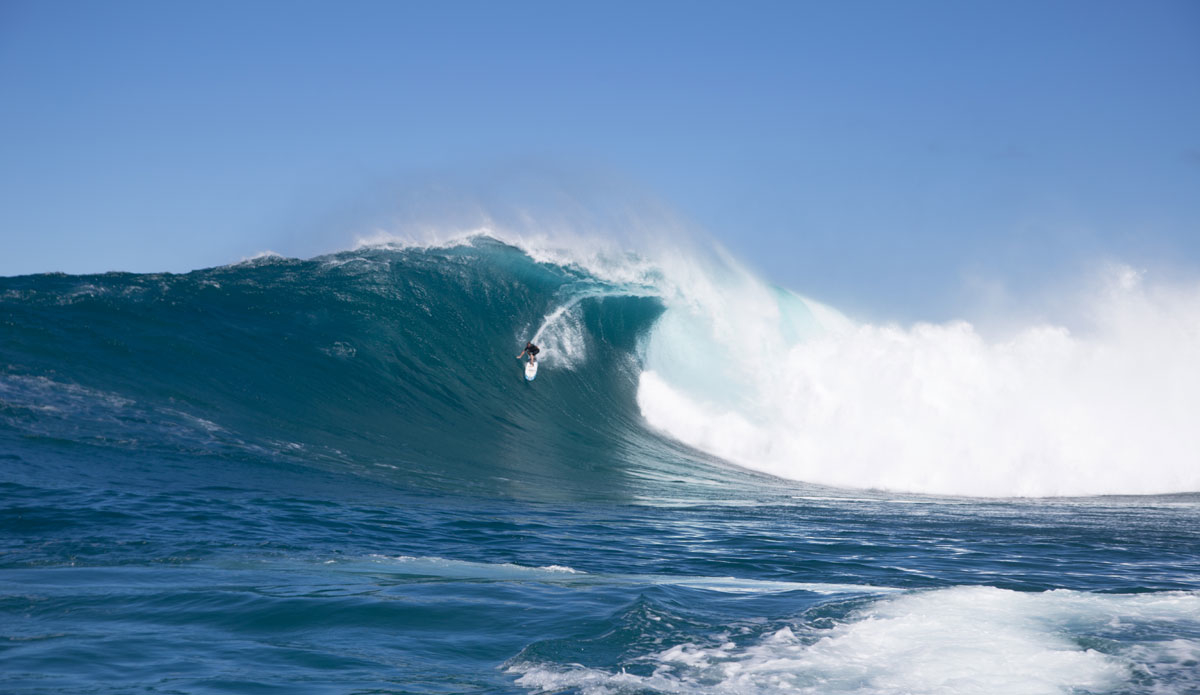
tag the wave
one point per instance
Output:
(395, 364)
(396, 361)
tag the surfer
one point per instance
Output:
(532, 350)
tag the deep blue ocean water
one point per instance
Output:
(330, 476)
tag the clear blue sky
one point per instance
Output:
(871, 153)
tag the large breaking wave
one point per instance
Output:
(398, 361)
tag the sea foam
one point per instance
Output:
(960, 641)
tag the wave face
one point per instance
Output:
(398, 364)
(388, 363)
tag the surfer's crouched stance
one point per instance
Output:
(532, 350)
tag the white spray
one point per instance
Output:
(938, 408)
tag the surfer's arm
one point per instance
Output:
(522, 354)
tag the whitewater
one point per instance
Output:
(329, 475)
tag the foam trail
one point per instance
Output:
(561, 338)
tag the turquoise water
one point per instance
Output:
(330, 476)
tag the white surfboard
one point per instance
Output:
(530, 371)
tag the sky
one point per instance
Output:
(892, 157)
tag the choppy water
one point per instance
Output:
(330, 476)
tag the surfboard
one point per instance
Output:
(530, 370)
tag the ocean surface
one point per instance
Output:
(330, 476)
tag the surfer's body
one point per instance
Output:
(532, 365)
(530, 349)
